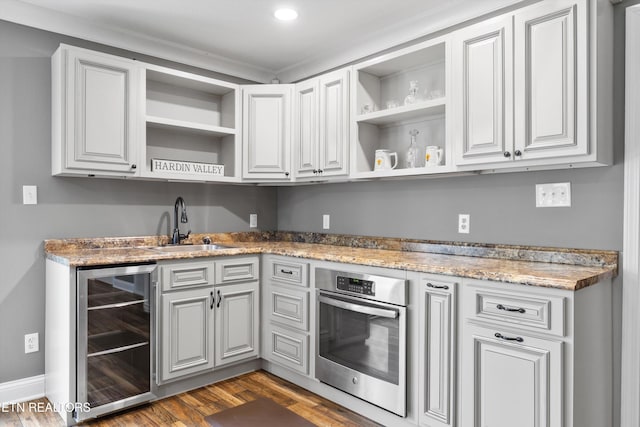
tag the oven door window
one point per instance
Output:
(360, 335)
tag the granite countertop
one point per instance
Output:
(545, 267)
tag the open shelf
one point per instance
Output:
(164, 123)
(191, 119)
(383, 117)
(408, 112)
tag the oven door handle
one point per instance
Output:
(391, 314)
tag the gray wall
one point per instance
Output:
(502, 209)
(75, 207)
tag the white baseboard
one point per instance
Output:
(22, 390)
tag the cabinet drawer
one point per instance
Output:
(534, 312)
(290, 349)
(186, 275)
(237, 270)
(293, 273)
(289, 307)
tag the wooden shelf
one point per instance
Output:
(419, 110)
(200, 128)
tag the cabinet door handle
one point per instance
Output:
(507, 154)
(502, 337)
(518, 153)
(511, 309)
(219, 299)
(134, 166)
(286, 174)
(213, 299)
(286, 271)
(431, 285)
(315, 171)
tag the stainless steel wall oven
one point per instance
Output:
(115, 338)
(362, 336)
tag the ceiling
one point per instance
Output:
(241, 37)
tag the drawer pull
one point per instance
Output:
(511, 309)
(502, 337)
(431, 285)
(286, 271)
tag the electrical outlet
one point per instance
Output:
(29, 195)
(464, 223)
(326, 218)
(553, 195)
(253, 220)
(31, 343)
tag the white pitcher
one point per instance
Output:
(383, 160)
(433, 155)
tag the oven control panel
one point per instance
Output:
(359, 286)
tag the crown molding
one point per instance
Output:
(57, 22)
(418, 27)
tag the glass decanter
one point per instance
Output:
(412, 151)
(412, 98)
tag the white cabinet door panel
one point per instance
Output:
(237, 328)
(514, 383)
(437, 353)
(551, 91)
(483, 91)
(101, 112)
(306, 129)
(186, 346)
(266, 131)
(334, 123)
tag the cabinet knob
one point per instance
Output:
(315, 171)
(320, 171)
(286, 174)
(133, 166)
(507, 154)
(517, 153)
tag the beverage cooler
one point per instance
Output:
(115, 336)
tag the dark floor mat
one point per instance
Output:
(260, 412)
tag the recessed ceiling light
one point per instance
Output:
(285, 14)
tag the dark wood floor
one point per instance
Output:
(189, 409)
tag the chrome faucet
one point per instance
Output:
(177, 237)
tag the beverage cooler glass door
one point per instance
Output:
(115, 338)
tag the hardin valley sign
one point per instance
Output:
(187, 168)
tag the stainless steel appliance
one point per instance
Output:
(362, 336)
(114, 338)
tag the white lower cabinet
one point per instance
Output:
(437, 330)
(535, 357)
(286, 317)
(208, 314)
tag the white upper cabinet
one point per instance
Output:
(266, 136)
(94, 113)
(551, 85)
(392, 96)
(321, 142)
(483, 96)
(531, 88)
(192, 127)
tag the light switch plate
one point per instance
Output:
(553, 195)
(326, 221)
(29, 195)
(253, 220)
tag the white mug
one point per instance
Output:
(433, 155)
(383, 160)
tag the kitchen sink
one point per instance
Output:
(189, 248)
